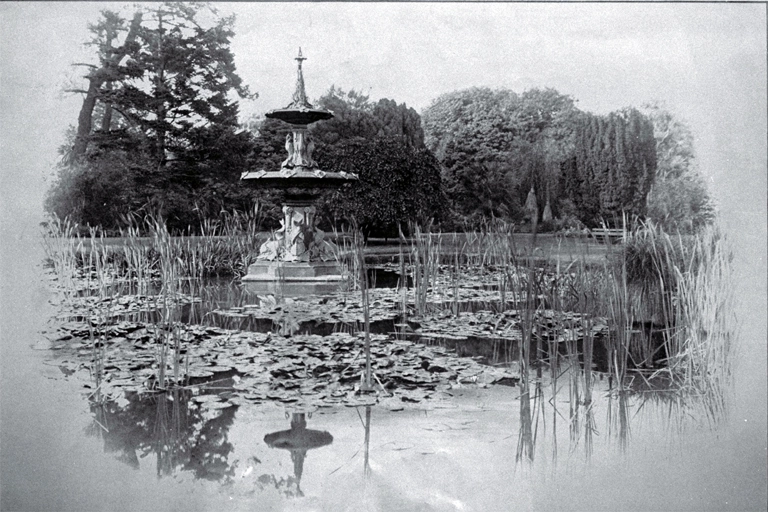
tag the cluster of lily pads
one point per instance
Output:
(124, 340)
(308, 370)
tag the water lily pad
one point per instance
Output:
(216, 405)
(199, 372)
(219, 368)
(206, 398)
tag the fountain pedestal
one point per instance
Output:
(293, 278)
(297, 258)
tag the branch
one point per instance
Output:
(128, 117)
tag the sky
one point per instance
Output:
(706, 62)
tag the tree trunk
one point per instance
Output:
(96, 80)
(106, 120)
(84, 120)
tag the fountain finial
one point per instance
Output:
(300, 95)
(300, 111)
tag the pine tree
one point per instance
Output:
(164, 90)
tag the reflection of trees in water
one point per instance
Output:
(183, 435)
(671, 409)
(298, 440)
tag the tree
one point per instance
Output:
(679, 199)
(613, 167)
(179, 76)
(101, 78)
(398, 183)
(355, 116)
(398, 121)
(164, 89)
(497, 140)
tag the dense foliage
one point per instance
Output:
(398, 183)
(167, 139)
(613, 167)
(502, 151)
(355, 116)
(678, 200)
(158, 134)
(495, 145)
(383, 143)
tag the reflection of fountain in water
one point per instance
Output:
(298, 440)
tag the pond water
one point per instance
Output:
(480, 449)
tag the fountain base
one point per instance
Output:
(294, 277)
(294, 271)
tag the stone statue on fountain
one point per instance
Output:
(298, 239)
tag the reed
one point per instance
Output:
(367, 383)
(705, 324)
(224, 247)
(402, 284)
(679, 286)
(491, 244)
(684, 286)
(62, 245)
(103, 283)
(425, 262)
(170, 266)
(346, 257)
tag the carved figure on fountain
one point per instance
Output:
(297, 240)
(322, 249)
(288, 162)
(300, 146)
(272, 249)
(297, 220)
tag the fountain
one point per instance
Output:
(298, 440)
(297, 259)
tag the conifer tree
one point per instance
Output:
(614, 167)
(158, 124)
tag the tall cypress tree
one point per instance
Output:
(615, 164)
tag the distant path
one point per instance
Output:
(547, 246)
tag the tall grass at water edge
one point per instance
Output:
(697, 304)
(223, 247)
(651, 286)
(146, 253)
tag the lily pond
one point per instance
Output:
(493, 387)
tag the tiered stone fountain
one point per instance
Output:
(297, 258)
(298, 440)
